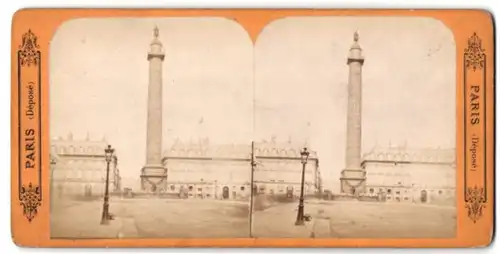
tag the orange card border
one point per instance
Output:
(473, 33)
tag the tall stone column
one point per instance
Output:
(353, 176)
(153, 171)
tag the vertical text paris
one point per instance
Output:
(474, 105)
(29, 134)
(474, 120)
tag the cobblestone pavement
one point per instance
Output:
(151, 218)
(357, 220)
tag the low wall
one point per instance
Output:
(263, 201)
(448, 201)
(349, 197)
(174, 196)
(369, 198)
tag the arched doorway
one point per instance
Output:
(423, 196)
(88, 190)
(225, 192)
(381, 196)
(289, 191)
(183, 192)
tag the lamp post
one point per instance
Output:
(52, 168)
(253, 163)
(109, 152)
(215, 190)
(304, 155)
(115, 170)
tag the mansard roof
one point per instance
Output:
(280, 149)
(71, 146)
(203, 148)
(403, 153)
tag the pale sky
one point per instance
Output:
(99, 78)
(408, 84)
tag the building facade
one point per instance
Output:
(78, 168)
(204, 170)
(279, 169)
(400, 174)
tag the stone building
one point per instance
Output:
(204, 170)
(402, 174)
(279, 169)
(224, 171)
(78, 167)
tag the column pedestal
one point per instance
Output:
(153, 178)
(353, 181)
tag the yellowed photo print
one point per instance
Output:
(324, 127)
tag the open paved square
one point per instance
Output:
(170, 218)
(351, 219)
(151, 218)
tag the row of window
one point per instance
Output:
(398, 192)
(380, 177)
(281, 189)
(173, 187)
(398, 198)
(87, 174)
(235, 176)
(224, 167)
(75, 188)
(402, 184)
(180, 163)
(82, 169)
(413, 157)
(261, 188)
(282, 152)
(78, 150)
(408, 174)
(86, 161)
(387, 173)
(284, 163)
(205, 170)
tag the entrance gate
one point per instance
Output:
(225, 192)
(423, 196)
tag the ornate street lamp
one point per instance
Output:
(115, 173)
(109, 153)
(304, 155)
(53, 163)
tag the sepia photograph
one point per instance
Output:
(172, 98)
(368, 106)
(323, 127)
